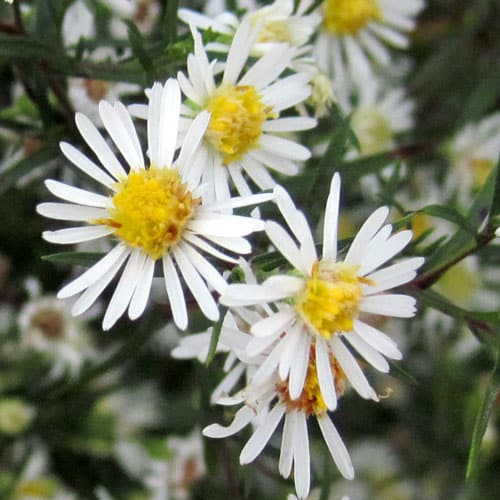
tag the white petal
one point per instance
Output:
(395, 305)
(86, 165)
(273, 324)
(287, 440)
(336, 447)
(169, 122)
(73, 235)
(124, 290)
(289, 124)
(67, 211)
(94, 273)
(241, 419)
(262, 434)
(331, 220)
(205, 268)
(141, 293)
(90, 295)
(298, 370)
(230, 243)
(197, 286)
(301, 469)
(119, 132)
(99, 146)
(378, 340)
(365, 234)
(385, 252)
(290, 342)
(369, 353)
(325, 374)
(352, 370)
(285, 244)
(284, 148)
(191, 142)
(241, 45)
(175, 293)
(77, 195)
(225, 225)
(394, 275)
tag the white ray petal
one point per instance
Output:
(298, 370)
(289, 124)
(94, 273)
(336, 447)
(378, 340)
(140, 297)
(331, 220)
(77, 195)
(284, 147)
(352, 370)
(262, 434)
(241, 45)
(72, 235)
(67, 211)
(286, 449)
(225, 225)
(174, 293)
(325, 374)
(197, 286)
(229, 243)
(368, 352)
(124, 290)
(99, 146)
(241, 419)
(273, 324)
(395, 305)
(301, 469)
(285, 244)
(365, 234)
(86, 165)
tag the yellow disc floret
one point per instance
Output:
(311, 400)
(150, 210)
(329, 302)
(236, 122)
(348, 17)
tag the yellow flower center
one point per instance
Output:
(481, 168)
(236, 122)
(151, 209)
(311, 401)
(329, 302)
(372, 129)
(348, 17)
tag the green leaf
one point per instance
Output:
(9, 177)
(170, 21)
(450, 214)
(214, 339)
(86, 259)
(138, 45)
(355, 169)
(495, 202)
(483, 415)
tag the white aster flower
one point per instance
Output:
(354, 33)
(78, 22)
(143, 13)
(85, 94)
(320, 306)
(295, 438)
(46, 326)
(473, 154)
(155, 213)
(277, 24)
(244, 135)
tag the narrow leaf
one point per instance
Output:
(86, 259)
(214, 339)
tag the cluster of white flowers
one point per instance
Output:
(218, 138)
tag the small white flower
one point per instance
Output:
(156, 213)
(78, 22)
(244, 137)
(294, 450)
(354, 33)
(473, 154)
(277, 24)
(321, 306)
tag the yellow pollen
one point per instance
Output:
(348, 17)
(151, 209)
(329, 302)
(236, 122)
(311, 401)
